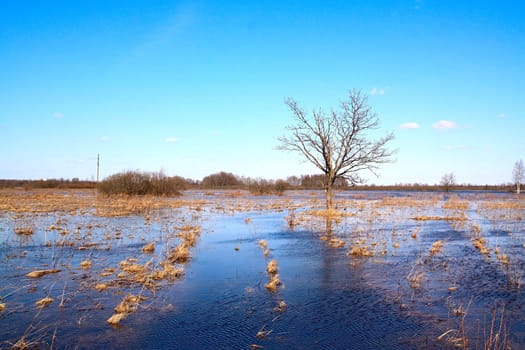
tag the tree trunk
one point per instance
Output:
(329, 195)
(518, 188)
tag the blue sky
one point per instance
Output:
(196, 87)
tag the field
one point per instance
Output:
(225, 269)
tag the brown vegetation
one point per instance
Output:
(44, 302)
(141, 183)
(40, 273)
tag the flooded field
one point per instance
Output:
(226, 270)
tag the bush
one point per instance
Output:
(220, 180)
(261, 187)
(141, 183)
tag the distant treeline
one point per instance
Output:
(137, 182)
(49, 183)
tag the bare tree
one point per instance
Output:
(518, 173)
(337, 142)
(447, 181)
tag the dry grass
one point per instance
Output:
(180, 254)
(436, 247)
(367, 230)
(101, 287)
(264, 245)
(68, 220)
(116, 318)
(79, 201)
(24, 230)
(40, 273)
(480, 244)
(274, 283)
(495, 334)
(456, 204)
(272, 267)
(361, 251)
(127, 306)
(86, 264)
(440, 218)
(336, 243)
(149, 248)
(44, 302)
(329, 213)
(189, 234)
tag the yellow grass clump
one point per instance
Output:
(101, 287)
(132, 268)
(479, 244)
(169, 272)
(274, 283)
(189, 234)
(24, 231)
(360, 251)
(272, 267)
(40, 273)
(116, 318)
(149, 248)
(86, 264)
(44, 302)
(108, 272)
(336, 243)
(128, 305)
(503, 258)
(180, 254)
(436, 247)
(264, 245)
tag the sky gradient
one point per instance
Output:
(196, 87)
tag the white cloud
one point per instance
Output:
(501, 115)
(171, 139)
(377, 91)
(410, 125)
(58, 115)
(444, 125)
(104, 138)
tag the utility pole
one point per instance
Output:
(98, 166)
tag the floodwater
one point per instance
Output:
(408, 293)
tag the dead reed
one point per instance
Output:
(436, 247)
(40, 273)
(44, 302)
(274, 283)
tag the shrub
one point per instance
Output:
(141, 183)
(261, 187)
(220, 180)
